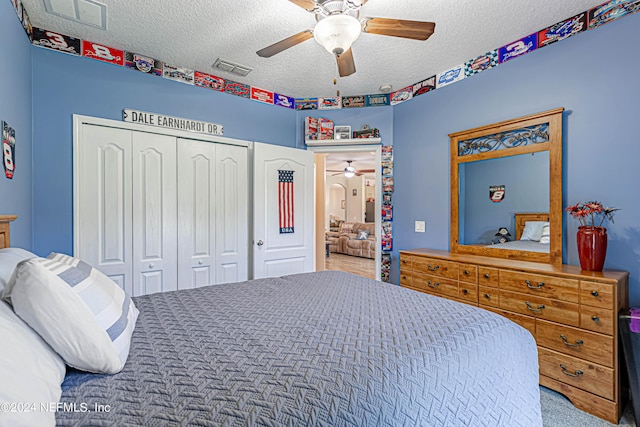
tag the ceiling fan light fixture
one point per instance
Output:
(336, 33)
(349, 171)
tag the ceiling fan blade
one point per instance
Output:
(278, 47)
(308, 5)
(346, 65)
(416, 30)
(365, 170)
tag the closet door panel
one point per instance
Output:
(196, 213)
(154, 213)
(103, 202)
(232, 216)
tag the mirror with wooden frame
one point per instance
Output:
(508, 175)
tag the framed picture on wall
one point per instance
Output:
(342, 132)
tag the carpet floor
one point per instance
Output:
(558, 411)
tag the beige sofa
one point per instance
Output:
(346, 241)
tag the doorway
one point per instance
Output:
(345, 199)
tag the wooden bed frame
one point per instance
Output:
(523, 217)
(5, 223)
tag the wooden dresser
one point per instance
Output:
(571, 313)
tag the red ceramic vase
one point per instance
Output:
(592, 247)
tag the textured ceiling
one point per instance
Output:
(194, 33)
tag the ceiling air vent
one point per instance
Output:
(88, 12)
(231, 67)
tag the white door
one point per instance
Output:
(232, 214)
(154, 213)
(196, 224)
(283, 216)
(103, 202)
(212, 213)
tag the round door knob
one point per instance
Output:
(260, 243)
(151, 265)
(200, 262)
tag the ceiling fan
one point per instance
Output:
(338, 27)
(350, 171)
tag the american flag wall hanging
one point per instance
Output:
(285, 201)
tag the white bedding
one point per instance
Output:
(522, 245)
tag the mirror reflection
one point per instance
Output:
(494, 192)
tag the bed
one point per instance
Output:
(528, 237)
(324, 349)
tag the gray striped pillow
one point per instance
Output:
(85, 316)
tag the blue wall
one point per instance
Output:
(593, 76)
(64, 85)
(15, 109)
(526, 181)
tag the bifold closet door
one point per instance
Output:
(232, 214)
(212, 213)
(103, 183)
(154, 228)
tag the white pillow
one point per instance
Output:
(31, 374)
(546, 234)
(80, 312)
(9, 258)
(533, 230)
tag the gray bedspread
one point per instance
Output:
(316, 349)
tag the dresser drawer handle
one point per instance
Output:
(436, 268)
(486, 275)
(535, 310)
(530, 286)
(487, 296)
(564, 371)
(404, 277)
(404, 261)
(595, 319)
(594, 293)
(432, 285)
(466, 272)
(567, 343)
(465, 291)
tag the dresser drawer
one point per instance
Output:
(435, 267)
(488, 276)
(436, 285)
(575, 342)
(468, 292)
(541, 308)
(405, 262)
(597, 319)
(488, 296)
(539, 285)
(406, 278)
(468, 273)
(577, 372)
(596, 294)
(524, 321)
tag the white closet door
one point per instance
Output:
(154, 213)
(212, 214)
(103, 202)
(232, 216)
(196, 210)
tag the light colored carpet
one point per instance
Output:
(558, 411)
